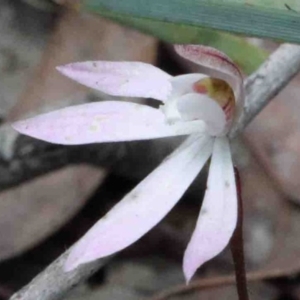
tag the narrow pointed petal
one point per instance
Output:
(145, 205)
(216, 64)
(108, 121)
(128, 79)
(201, 107)
(218, 216)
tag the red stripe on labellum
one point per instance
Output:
(221, 56)
(194, 52)
(227, 105)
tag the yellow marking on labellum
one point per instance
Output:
(218, 90)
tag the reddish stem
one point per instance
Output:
(237, 245)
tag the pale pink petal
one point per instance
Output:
(216, 64)
(145, 205)
(184, 84)
(108, 121)
(128, 79)
(201, 107)
(218, 216)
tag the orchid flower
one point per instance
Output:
(202, 106)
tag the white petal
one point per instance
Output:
(145, 206)
(131, 79)
(218, 216)
(201, 107)
(107, 121)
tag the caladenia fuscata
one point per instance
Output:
(202, 106)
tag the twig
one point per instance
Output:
(264, 84)
(220, 281)
(51, 284)
(23, 158)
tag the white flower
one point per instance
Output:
(203, 106)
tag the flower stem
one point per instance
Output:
(237, 245)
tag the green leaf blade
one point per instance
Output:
(247, 56)
(278, 20)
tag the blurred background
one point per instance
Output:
(45, 209)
